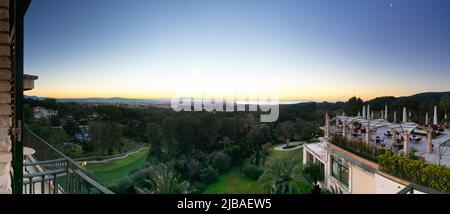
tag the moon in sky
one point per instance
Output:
(391, 4)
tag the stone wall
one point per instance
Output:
(5, 100)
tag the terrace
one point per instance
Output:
(405, 137)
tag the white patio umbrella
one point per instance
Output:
(435, 118)
(364, 112)
(405, 117)
(385, 112)
(405, 128)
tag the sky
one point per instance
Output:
(313, 50)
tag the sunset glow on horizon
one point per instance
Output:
(318, 50)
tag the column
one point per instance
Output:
(368, 136)
(405, 144)
(429, 140)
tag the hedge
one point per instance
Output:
(416, 171)
(364, 150)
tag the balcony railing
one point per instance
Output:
(48, 171)
(416, 189)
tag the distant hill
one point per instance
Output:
(431, 95)
(436, 96)
(104, 100)
(418, 102)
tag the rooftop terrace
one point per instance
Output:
(395, 136)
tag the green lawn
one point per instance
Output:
(233, 182)
(113, 171)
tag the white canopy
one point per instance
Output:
(404, 127)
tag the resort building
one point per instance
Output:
(349, 153)
(43, 113)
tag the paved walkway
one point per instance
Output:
(281, 149)
(434, 157)
(104, 161)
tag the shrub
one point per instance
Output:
(123, 186)
(364, 150)
(220, 161)
(416, 171)
(234, 152)
(208, 175)
(251, 171)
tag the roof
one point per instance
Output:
(318, 149)
(31, 77)
(378, 123)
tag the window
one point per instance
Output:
(340, 171)
(309, 158)
(322, 170)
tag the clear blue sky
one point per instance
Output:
(319, 49)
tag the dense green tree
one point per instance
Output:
(353, 106)
(71, 128)
(444, 103)
(220, 161)
(164, 180)
(55, 121)
(283, 175)
(287, 130)
(104, 135)
(153, 136)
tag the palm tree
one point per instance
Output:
(314, 174)
(164, 180)
(283, 175)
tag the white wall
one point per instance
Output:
(387, 186)
(363, 182)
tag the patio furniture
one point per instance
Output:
(415, 139)
(398, 144)
(388, 135)
(378, 140)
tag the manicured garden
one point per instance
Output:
(113, 171)
(234, 182)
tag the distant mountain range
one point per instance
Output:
(436, 96)
(104, 100)
(420, 96)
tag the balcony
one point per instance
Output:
(48, 171)
(416, 189)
